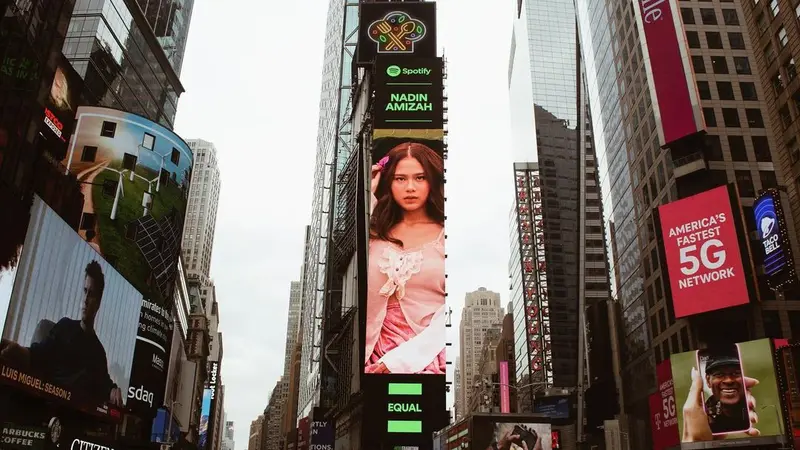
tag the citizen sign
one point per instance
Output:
(78, 444)
(651, 10)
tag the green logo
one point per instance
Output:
(393, 71)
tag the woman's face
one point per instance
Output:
(410, 186)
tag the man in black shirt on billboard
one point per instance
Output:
(72, 355)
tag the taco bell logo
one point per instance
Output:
(397, 32)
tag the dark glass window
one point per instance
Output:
(89, 153)
(713, 148)
(754, 118)
(687, 15)
(730, 17)
(744, 180)
(738, 150)
(699, 64)
(704, 89)
(786, 116)
(761, 149)
(748, 90)
(708, 16)
(768, 179)
(736, 40)
(719, 64)
(742, 65)
(693, 39)
(714, 39)
(731, 117)
(109, 129)
(710, 117)
(725, 90)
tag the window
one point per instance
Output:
(714, 39)
(772, 324)
(175, 157)
(708, 16)
(761, 149)
(791, 69)
(748, 90)
(738, 151)
(786, 116)
(754, 118)
(730, 17)
(148, 141)
(768, 179)
(769, 53)
(89, 153)
(736, 40)
(745, 183)
(719, 64)
(109, 129)
(742, 65)
(783, 39)
(693, 39)
(699, 64)
(704, 89)
(713, 148)
(687, 15)
(731, 117)
(708, 115)
(763, 23)
(777, 84)
(725, 90)
(774, 7)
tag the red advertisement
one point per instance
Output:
(669, 76)
(663, 410)
(505, 399)
(704, 260)
(303, 429)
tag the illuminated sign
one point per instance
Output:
(397, 32)
(212, 384)
(409, 93)
(404, 390)
(393, 28)
(772, 232)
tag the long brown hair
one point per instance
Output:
(387, 212)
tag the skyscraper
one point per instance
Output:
(457, 387)
(640, 171)
(482, 311)
(201, 210)
(292, 324)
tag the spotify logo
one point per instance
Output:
(393, 71)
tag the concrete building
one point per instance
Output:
(485, 395)
(292, 323)
(458, 406)
(228, 442)
(201, 210)
(482, 311)
(255, 433)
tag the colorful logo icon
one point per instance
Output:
(393, 71)
(397, 32)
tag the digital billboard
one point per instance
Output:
(509, 433)
(149, 373)
(60, 106)
(135, 176)
(669, 74)
(774, 238)
(664, 410)
(702, 252)
(392, 28)
(410, 93)
(727, 396)
(70, 329)
(205, 421)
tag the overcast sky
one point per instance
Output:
(252, 76)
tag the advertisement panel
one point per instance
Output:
(663, 410)
(702, 252)
(774, 237)
(554, 407)
(411, 94)
(149, 373)
(135, 176)
(510, 433)
(212, 387)
(303, 430)
(322, 435)
(729, 396)
(20, 437)
(60, 107)
(505, 394)
(392, 28)
(788, 358)
(205, 418)
(669, 72)
(70, 329)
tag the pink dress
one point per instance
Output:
(405, 327)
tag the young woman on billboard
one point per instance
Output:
(405, 329)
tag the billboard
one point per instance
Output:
(213, 388)
(149, 373)
(554, 407)
(323, 435)
(411, 94)
(70, 330)
(60, 106)
(774, 237)
(663, 410)
(729, 396)
(509, 433)
(205, 418)
(505, 394)
(392, 28)
(702, 253)
(669, 72)
(135, 176)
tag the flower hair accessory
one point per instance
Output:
(383, 162)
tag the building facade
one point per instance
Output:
(292, 324)
(201, 210)
(255, 433)
(482, 312)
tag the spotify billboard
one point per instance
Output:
(408, 93)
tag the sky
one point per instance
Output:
(252, 80)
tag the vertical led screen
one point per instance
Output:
(774, 237)
(135, 176)
(664, 410)
(70, 329)
(213, 384)
(411, 94)
(149, 373)
(397, 29)
(727, 396)
(702, 251)
(670, 75)
(512, 433)
(205, 421)
(60, 106)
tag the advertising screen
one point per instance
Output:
(664, 410)
(323, 435)
(410, 94)
(701, 248)
(405, 311)
(149, 373)
(774, 237)
(554, 407)
(205, 418)
(60, 106)
(70, 329)
(136, 179)
(669, 74)
(392, 28)
(490, 433)
(727, 394)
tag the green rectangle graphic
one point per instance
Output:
(405, 388)
(404, 426)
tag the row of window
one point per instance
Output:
(731, 119)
